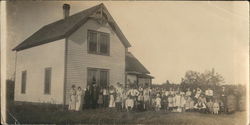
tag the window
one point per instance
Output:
(47, 81)
(98, 76)
(23, 82)
(98, 42)
(104, 43)
(92, 36)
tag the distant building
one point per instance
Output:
(80, 49)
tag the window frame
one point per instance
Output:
(23, 83)
(44, 90)
(98, 52)
(98, 75)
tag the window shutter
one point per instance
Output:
(23, 82)
(47, 81)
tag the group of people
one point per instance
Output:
(138, 98)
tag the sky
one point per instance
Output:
(169, 38)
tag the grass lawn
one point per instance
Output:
(35, 114)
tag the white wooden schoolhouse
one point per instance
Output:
(78, 49)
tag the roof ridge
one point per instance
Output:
(64, 27)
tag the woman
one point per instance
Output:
(111, 97)
(105, 96)
(146, 98)
(79, 94)
(72, 101)
(170, 102)
(177, 101)
(183, 102)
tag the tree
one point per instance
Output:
(167, 82)
(208, 78)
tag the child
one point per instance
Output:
(158, 102)
(210, 106)
(129, 104)
(100, 99)
(216, 107)
(170, 102)
(118, 101)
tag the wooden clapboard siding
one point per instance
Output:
(34, 61)
(78, 58)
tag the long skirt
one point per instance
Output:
(112, 101)
(78, 103)
(72, 102)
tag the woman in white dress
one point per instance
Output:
(79, 94)
(183, 101)
(72, 101)
(111, 97)
(178, 102)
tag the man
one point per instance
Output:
(197, 94)
(133, 92)
(200, 106)
(146, 98)
(224, 99)
(209, 94)
(188, 92)
(94, 95)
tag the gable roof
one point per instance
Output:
(133, 65)
(64, 27)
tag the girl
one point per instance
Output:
(100, 99)
(79, 94)
(72, 102)
(216, 107)
(157, 102)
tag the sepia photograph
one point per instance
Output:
(125, 62)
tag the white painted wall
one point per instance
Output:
(79, 59)
(34, 60)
